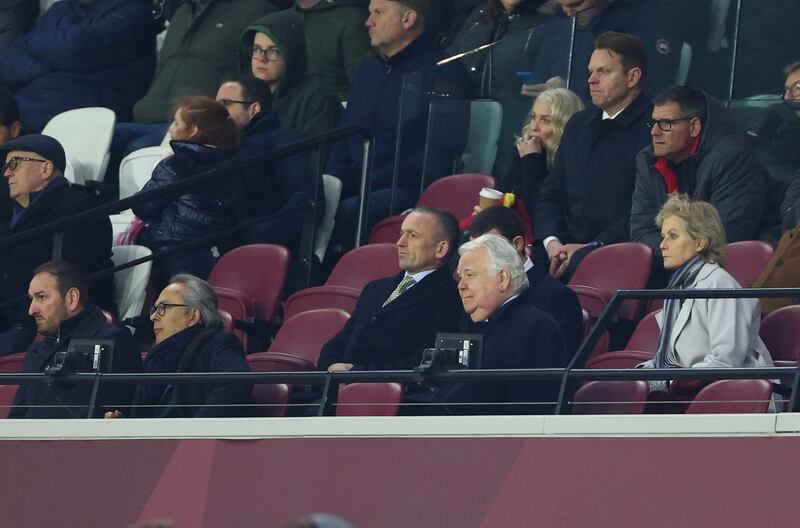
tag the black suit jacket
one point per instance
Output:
(517, 335)
(559, 301)
(393, 338)
(71, 401)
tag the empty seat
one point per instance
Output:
(456, 194)
(304, 334)
(137, 167)
(645, 336)
(611, 397)
(353, 271)
(610, 268)
(12, 363)
(130, 284)
(780, 331)
(369, 399)
(85, 134)
(732, 396)
(278, 362)
(270, 399)
(620, 359)
(7, 395)
(747, 259)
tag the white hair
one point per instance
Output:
(502, 255)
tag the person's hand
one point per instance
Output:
(529, 144)
(533, 90)
(340, 367)
(570, 249)
(110, 415)
(558, 255)
(477, 210)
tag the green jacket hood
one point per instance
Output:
(285, 29)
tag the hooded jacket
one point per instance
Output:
(78, 54)
(199, 53)
(723, 171)
(194, 214)
(301, 103)
(336, 42)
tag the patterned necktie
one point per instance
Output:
(406, 283)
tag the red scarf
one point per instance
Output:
(669, 176)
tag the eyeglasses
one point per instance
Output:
(13, 163)
(228, 102)
(794, 90)
(271, 54)
(161, 308)
(666, 124)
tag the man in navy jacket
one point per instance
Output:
(585, 201)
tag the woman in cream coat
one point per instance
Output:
(703, 332)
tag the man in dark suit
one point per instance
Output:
(544, 292)
(396, 318)
(494, 291)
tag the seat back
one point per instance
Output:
(363, 265)
(341, 297)
(602, 344)
(369, 399)
(387, 231)
(747, 259)
(130, 285)
(780, 331)
(304, 334)
(137, 167)
(611, 397)
(258, 271)
(270, 399)
(234, 305)
(85, 134)
(485, 120)
(620, 359)
(732, 396)
(278, 362)
(7, 395)
(333, 191)
(457, 194)
(615, 267)
(645, 336)
(12, 363)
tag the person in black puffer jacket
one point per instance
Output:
(204, 135)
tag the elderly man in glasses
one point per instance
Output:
(189, 337)
(696, 149)
(34, 175)
(61, 307)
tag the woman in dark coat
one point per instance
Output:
(203, 136)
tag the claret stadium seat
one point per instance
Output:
(732, 396)
(369, 399)
(611, 397)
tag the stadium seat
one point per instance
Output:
(747, 259)
(278, 362)
(620, 359)
(780, 331)
(12, 363)
(586, 326)
(610, 268)
(270, 399)
(234, 306)
(7, 394)
(333, 191)
(732, 396)
(485, 120)
(369, 399)
(130, 284)
(645, 336)
(137, 167)
(85, 134)
(343, 287)
(258, 272)
(304, 334)
(456, 194)
(611, 397)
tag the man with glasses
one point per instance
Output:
(190, 337)
(60, 304)
(696, 150)
(273, 49)
(34, 175)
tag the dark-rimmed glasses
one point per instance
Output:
(13, 163)
(793, 90)
(666, 124)
(271, 54)
(161, 308)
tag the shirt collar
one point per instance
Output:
(528, 265)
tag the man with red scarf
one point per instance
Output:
(697, 149)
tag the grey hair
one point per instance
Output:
(502, 255)
(198, 294)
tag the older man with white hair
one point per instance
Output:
(494, 291)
